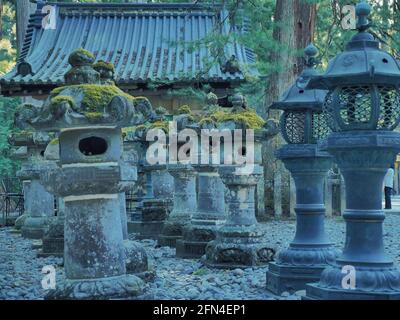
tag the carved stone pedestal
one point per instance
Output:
(53, 238)
(39, 204)
(208, 217)
(156, 204)
(310, 251)
(239, 242)
(363, 158)
(94, 255)
(185, 204)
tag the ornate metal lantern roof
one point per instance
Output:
(302, 121)
(297, 97)
(362, 62)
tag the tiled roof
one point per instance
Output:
(145, 42)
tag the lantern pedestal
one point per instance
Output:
(185, 204)
(239, 242)
(148, 222)
(94, 251)
(53, 238)
(209, 215)
(362, 271)
(310, 251)
(39, 204)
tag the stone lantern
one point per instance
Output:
(88, 117)
(38, 203)
(184, 184)
(302, 125)
(210, 213)
(239, 241)
(184, 203)
(362, 108)
(154, 195)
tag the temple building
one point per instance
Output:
(152, 46)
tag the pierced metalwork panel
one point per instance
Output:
(364, 107)
(319, 127)
(293, 126)
(355, 104)
(389, 107)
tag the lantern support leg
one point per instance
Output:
(185, 204)
(239, 242)
(208, 217)
(362, 271)
(310, 251)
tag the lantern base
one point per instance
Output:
(371, 283)
(149, 223)
(119, 287)
(173, 230)
(34, 227)
(145, 229)
(52, 247)
(281, 278)
(238, 247)
(300, 266)
(196, 237)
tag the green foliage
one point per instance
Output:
(8, 167)
(7, 37)
(200, 272)
(185, 109)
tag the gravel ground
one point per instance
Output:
(20, 270)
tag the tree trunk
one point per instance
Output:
(1, 19)
(23, 10)
(294, 30)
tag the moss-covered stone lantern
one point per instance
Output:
(88, 117)
(38, 203)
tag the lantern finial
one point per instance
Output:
(310, 52)
(363, 9)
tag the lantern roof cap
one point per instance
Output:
(297, 97)
(362, 62)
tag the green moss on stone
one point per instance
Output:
(104, 65)
(84, 52)
(54, 141)
(248, 117)
(185, 109)
(96, 97)
(93, 115)
(163, 125)
(58, 99)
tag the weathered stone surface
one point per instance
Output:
(185, 204)
(208, 217)
(40, 206)
(239, 241)
(90, 178)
